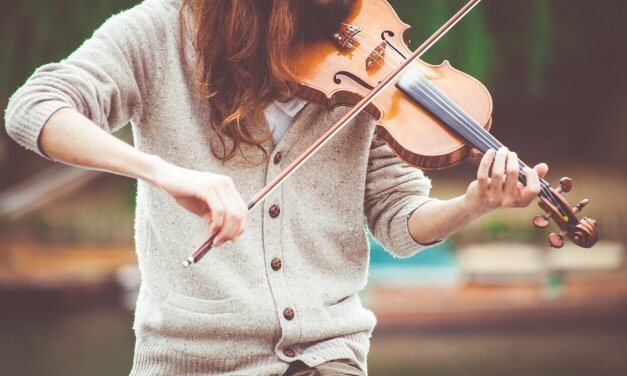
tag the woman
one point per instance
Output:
(211, 101)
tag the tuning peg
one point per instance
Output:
(557, 240)
(566, 184)
(580, 206)
(541, 221)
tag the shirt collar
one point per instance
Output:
(292, 106)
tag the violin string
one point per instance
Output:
(494, 142)
(374, 49)
(373, 39)
(433, 94)
(479, 132)
(469, 126)
(489, 141)
(436, 98)
(477, 136)
(364, 34)
(355, 48)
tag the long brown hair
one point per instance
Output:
(243, 49)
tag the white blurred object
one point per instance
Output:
(604, 256)
(43, 188)
(502, 263)
(129, 278)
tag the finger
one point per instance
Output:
(242, 226)
(216, 212)
(484, 169)
(240, 209)
(541, 169)
(240, 229)
(531, 191)
(206, 215)
(230, 224)
(511, 177)
(498, 172)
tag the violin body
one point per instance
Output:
(332, 77)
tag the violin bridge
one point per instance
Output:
(377, 56)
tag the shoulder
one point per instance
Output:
(152, 16)
(164, 8)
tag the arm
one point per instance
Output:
(439, 219)
(72, 138)
(66, 112)
(394, 190)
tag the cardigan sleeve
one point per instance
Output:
(393, 191)
(108, 78)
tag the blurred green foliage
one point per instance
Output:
(474, 47)
(540, 59)
(499, 228)
(34, 32)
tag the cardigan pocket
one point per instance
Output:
(192, 304)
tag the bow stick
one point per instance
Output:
(350, 115)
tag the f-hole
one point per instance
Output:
(338, 80)
(388, 33)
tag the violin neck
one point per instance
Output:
(423, 92)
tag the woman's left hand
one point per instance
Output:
(500, 187)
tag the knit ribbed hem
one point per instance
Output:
(154, 360)
(353, 346)
(404, 244)
(27, 127)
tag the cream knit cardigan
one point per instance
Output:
(226, 314)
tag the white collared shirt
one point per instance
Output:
(280, 116)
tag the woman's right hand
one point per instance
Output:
(212, 197)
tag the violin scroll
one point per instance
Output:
(582, 231)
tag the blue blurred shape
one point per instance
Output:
(436, 265)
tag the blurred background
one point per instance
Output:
(492, 300)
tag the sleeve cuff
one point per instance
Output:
(30, 124)
(404, 243)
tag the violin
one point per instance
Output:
(431, 116)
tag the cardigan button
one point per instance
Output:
(289, 353)
(276, 264)
(275, 211)
(278, 157)
(288, 313)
